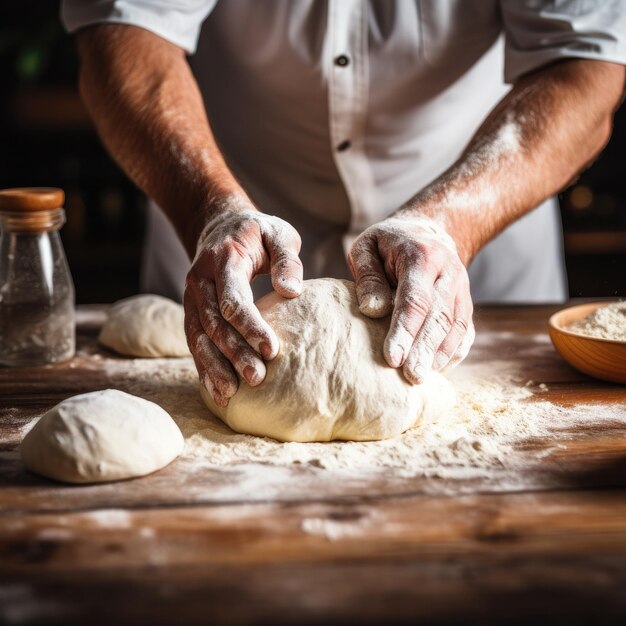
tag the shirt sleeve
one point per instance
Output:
(538, 32)
(178, 21)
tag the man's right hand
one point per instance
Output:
(225, 331)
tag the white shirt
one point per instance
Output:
(332, 113)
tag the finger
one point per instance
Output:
(465, 346)
(283, 244)
(287, 273)
(214, 370)
(229, 342)
(435, 329)
(412, 305)
(238, 309)
(372, 288)
(454, 339)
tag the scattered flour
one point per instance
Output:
(606, 322)
(334, 530)
(108, 518)
(495, 417)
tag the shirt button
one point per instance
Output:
(344, 145)
(342, 60)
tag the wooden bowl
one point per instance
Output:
(600, 358)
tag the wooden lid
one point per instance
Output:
(31, 199)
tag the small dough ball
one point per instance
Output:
(101, 436)
(146, 326)
(329, 380)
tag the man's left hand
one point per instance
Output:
(431, 326)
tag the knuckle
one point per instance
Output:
(241, 356)
(362, 245)
(371, 278)
(410, 374)
(215, 253)
(443, 320)
(248, 227)
(283, 234)
(230, 308)
(285, 259)
(416, 304)
(211, 327)
(229, 251)
(209, 258)
(236, 355)
(206, 291)
(444, 353)
(461, 325)
(415, 254)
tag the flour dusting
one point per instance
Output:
(334, 530)
(495, 416)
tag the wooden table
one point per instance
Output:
(166, 549)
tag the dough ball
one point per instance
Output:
(101, 436)
(329, 380)
(145, 326)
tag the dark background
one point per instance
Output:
(46, 139)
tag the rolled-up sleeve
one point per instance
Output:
(178, 21)
(541, 31)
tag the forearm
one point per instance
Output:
(548, 129)
(147, 108)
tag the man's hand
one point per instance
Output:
(164, 142)
(512, 164)
(225, 331)
(431, 325)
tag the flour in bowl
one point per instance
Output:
(606, 322)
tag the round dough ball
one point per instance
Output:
(101, 436)
(145, 326)
(329, 380)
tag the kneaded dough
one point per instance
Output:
(145, 326)
(329, 380)
(101, 436)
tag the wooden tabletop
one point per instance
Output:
(186, 547)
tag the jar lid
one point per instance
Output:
(31, 199)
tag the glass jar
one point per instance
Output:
(36, 288)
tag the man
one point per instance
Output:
(405, 133)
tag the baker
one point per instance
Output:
(421, 140)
